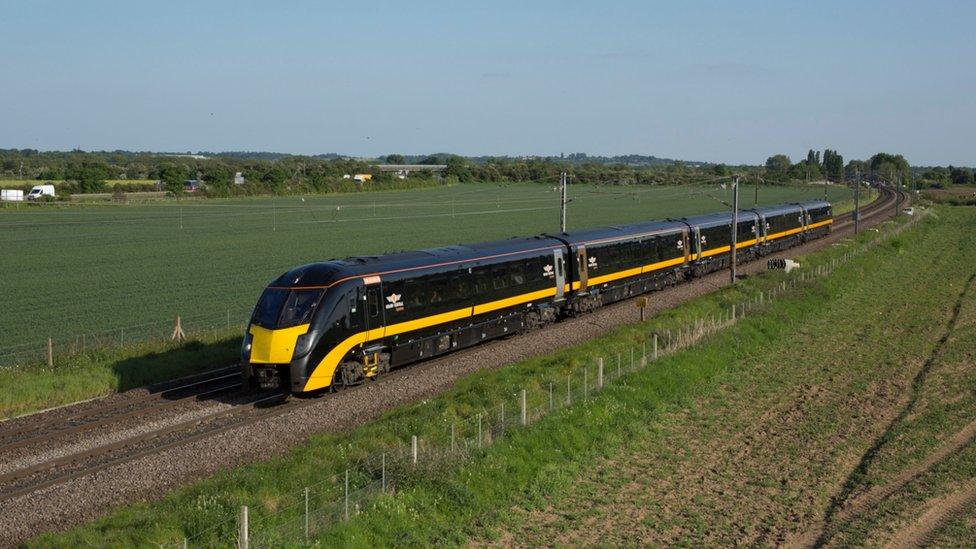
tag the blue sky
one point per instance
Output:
(718, 81)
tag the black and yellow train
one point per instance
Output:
(342, 322)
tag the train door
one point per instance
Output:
(373, 301)
(560, 268)
(761, 227)
(370, 297)
(581, 267)
(696, 243)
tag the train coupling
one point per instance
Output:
(268, 377)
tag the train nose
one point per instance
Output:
(274, 346)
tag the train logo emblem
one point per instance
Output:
(394, 301)
(591, 263)
(703, 240)
(681, 244)
(547, 271)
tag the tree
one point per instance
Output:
(173, 176)
(961, 176)
(90, 175)
(394, 159)
(721, 170)
(778, 165)
(458, 167)
(854, 167)
(218, 175)
(833, 165)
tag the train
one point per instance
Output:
(340, 323)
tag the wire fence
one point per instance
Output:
(175, 329)
(301, 515)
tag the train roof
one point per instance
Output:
(618, 232)
(327, 273)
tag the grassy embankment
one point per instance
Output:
(129, 270)
(800, 389)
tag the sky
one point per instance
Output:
(732, 82)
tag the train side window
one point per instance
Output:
(517, 274)
(499, 278)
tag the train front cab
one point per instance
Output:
(298, 335)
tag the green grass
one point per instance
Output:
(86, 269)
(453, 505)
(103, 371)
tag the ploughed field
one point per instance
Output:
(127, 269)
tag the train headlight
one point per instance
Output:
(246, 346)
(303, 344)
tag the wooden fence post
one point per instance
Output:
(178, 334)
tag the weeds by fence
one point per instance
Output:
(305, 513)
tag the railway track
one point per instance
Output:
(24, 433)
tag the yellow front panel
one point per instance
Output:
(274, 346)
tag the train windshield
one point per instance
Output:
(280, 308)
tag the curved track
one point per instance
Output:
(45, 428)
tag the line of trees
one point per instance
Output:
(86, 172)
(815, 167)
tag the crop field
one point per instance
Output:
(87, 269)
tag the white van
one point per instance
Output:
(38, 191)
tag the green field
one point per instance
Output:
(745, 437)
(128, 270)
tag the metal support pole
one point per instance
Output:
(346, 511)
(413, 448)
(50, 352)
(551, 402)
(563, 200)
(857, 196)
(599, 373)
(306, 513)
(523, 412)
(735, 224)
(242, 540)
(586, 388)
(655, 346)
(383, 473)
(479, 431)
(452, 437)
(569, 391)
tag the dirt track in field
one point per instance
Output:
(939, 511)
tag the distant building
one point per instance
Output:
(191, 185)
(403, 170)
(238, 178)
